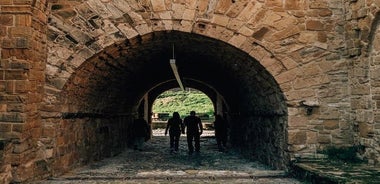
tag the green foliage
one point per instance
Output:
(346, 154)
(183, 102)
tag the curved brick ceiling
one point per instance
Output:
(108, 83)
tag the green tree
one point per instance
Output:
(183, 102)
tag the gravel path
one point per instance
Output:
(156, 165)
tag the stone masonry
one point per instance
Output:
(293, 76)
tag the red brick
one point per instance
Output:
(16, 75)
(3, 30)
(6, 20)
(6, 2)
(23, 20)
(23, 2)
(16, 9)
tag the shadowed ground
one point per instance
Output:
(155, 164)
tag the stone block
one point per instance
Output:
(318, 5)
(158, 5)
(18, 128)
(13, 117)
(312, 137)
(6, 2)
(274, 3)
(21, 147)
(324, 139)
(297, 121)
(220, 20)
(16, 75)
(23, 2)
(287, 32)
(361, 90)
(260, 34)
(287, 76)
(16, 43)
(294, 4)
(18, 86)
(23, 21)
(5, 127)
(314, 25)
(297, 137)
(300, 94)
(331, 124)
(6, 20)
(17, 9)
(365, 129)
(16, 107)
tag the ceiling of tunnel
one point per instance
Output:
(121, 74)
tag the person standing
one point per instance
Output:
(175, 127)
(221, 132)
(141, 131)
(194, 131)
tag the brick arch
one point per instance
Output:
(279, 36)
(94, 26)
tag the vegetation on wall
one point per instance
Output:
(183, 102)
(345, 154)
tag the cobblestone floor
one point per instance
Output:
(155, 164)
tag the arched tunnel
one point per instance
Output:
(117, 81)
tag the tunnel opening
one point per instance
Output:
(182, 101)
(105, 93)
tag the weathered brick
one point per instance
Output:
(6, 20)
(16, 75)
(16, 9)
(23, 20)
(294, 4)
(23, 2)
(297, 137)
(6, 2)
(324, 139)
(5, 127)
(331, 124)
(314, 25)
(278, 3)
(12, 117)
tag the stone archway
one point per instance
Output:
(289, 63)
(107, 87)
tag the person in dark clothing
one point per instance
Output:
(140, 129)
(221, 132)
(175, 127)
(194, 130)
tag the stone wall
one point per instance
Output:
(23, 57)
(362, 37)
(77, 141)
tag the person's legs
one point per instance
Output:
(190, 143)
(171, 142)
(197, 143)
(176, 142)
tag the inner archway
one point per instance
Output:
(182, 102)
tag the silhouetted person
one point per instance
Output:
(194, 131)
(221, 132)
(141, 132)
(175, 127)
